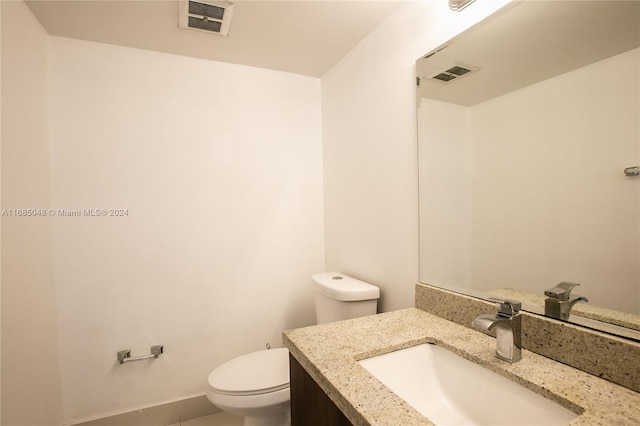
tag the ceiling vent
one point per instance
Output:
(458, 5)
(206, 15)
(453, 73)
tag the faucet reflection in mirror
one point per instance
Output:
(559, 302)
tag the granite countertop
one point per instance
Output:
(329, 353)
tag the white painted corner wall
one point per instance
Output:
(219, 170)
(0, 220)
(30, 373)
(370, 148)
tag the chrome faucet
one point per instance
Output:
(508, 325)
(559, 302)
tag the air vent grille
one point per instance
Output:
(206, 15)
(452, 73)
(205, 24)
(458, 5)
(208, 10)
(443, 76)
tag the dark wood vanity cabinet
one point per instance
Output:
(310, 406)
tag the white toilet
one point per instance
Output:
(256, 385)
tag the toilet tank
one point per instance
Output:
(340, 297)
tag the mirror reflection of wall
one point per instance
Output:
(525, 190)
(540, 171)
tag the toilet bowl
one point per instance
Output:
(254, 386)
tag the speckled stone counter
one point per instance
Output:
(329, 353)
(603, 355)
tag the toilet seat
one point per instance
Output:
(255, 373)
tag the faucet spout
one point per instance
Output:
(486, 322)
(577, 299)
(508, 327)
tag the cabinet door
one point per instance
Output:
(310, 406)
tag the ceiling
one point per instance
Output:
(527, 42)
(302, 37)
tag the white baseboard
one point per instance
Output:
(159, 415)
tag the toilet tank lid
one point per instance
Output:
(343, 287)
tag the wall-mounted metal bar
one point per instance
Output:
(125, 355)
(632, 171)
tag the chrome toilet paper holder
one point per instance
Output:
(632, 171)
(125, 355)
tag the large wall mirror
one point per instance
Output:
(529, 138)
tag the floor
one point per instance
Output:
(218, 419)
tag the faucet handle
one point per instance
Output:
(562, 291)
(507, 307)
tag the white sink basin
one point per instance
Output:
(450, 390)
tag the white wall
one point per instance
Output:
(445, 193)
(220, 169)
(0, 220)
(30, 381)
(370, 150)
(550, 200)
